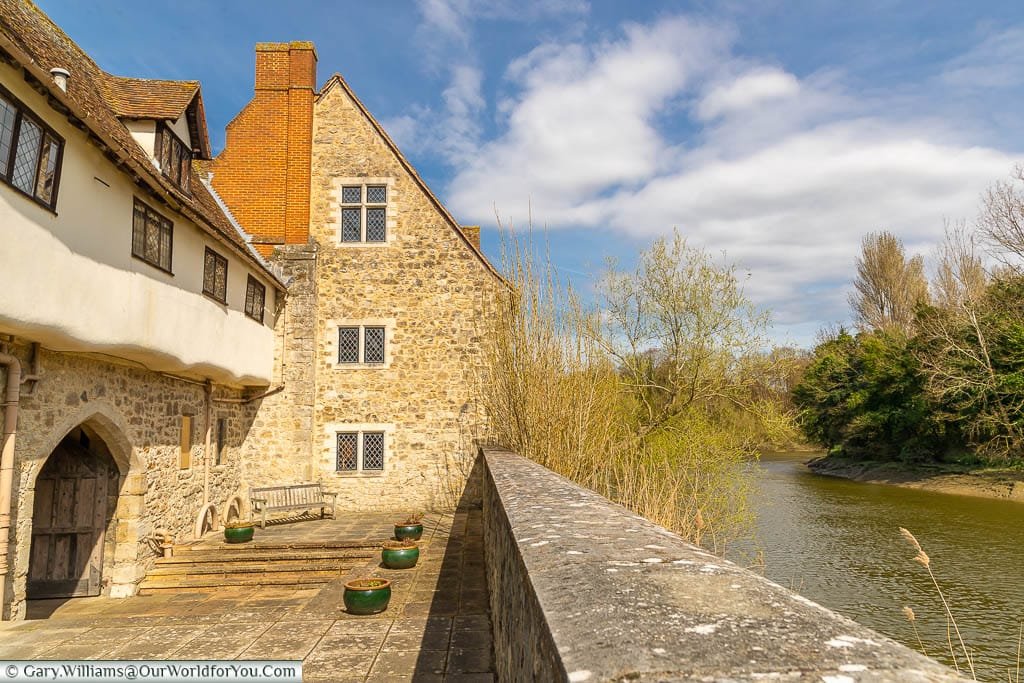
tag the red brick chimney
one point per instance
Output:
(263, 172)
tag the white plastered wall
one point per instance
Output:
(68, 279)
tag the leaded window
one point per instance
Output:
(7, 115)
(174, 157)
(30, 153)
(373, 451)
(361, 344)
(215, 276)
(360, 451)
(352, 194)
(152, 237)
(376, 227)
(255, 299)
(26, 159)
(348, 451)
(364, 213)
(348, 345)
(351, 225)
(373, 345)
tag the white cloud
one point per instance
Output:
(583, 120)
(785, 174)
(996, 62)
(748, 90)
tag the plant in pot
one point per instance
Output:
(367, 596)
(238, 531)
(411, 529)
(399, 554)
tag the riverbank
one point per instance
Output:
(988, 483)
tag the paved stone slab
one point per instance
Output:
(431, 606)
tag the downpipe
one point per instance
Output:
(10, 405)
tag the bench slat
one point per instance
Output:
(293, 497)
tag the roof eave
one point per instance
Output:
(123, 156)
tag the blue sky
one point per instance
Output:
(777, 131)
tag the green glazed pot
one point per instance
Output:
(408, 532)
(238, 535)
(361, 598)
(400, 558)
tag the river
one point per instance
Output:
(837, 542)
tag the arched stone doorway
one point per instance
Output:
(73, 531)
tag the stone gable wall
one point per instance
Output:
(433, 291)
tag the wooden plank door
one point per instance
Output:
(68, 525)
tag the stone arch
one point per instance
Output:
(106, 422)
(206, 520)
(122, 568)
(234, 509)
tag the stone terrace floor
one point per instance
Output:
(436, 628)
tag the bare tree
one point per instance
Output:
(889, 287)
(960, 277)
(682, 331)
(1001, 222)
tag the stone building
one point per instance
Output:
(176, 328)
(388, 303)
(136, 321)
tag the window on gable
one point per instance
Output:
(152, 237)
(361, 344)
(174, 157)
(255, 299)
(30, 154)
(360, 451)
(364, 213)
(215, 276)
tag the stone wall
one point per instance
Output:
(430, 290)
(582, 589)
(136, 414)
(278, 451)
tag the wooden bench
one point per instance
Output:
(289, 498)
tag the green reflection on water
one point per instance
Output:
(837, 543)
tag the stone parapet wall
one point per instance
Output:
(581, 589)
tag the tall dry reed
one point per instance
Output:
(553, 395)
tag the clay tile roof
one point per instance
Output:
(33, 42)
(148, 98)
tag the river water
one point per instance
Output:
(837, 542)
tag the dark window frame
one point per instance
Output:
(177, 167)
(21, 112)
(383, 344)
(359, 335)
(253, 285)
(217, 258)
(166, 227)
(363, 207)
(357, 438)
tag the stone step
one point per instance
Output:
(150, 587)
(266, 555)
(245, 567)
(206, 546)
(245, 578)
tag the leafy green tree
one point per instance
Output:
(864, 396)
